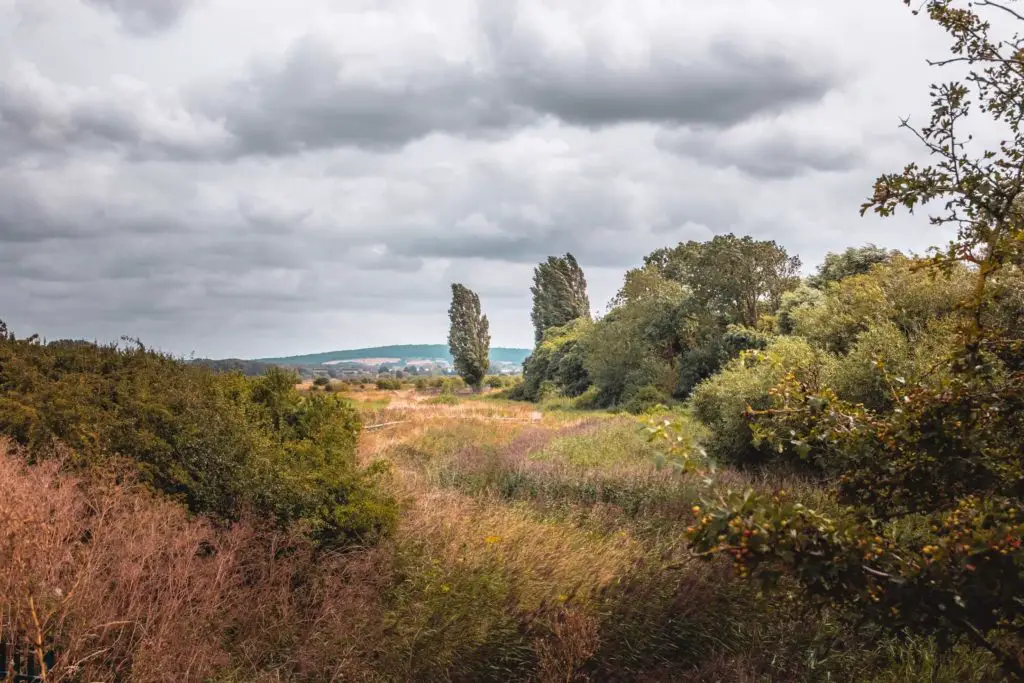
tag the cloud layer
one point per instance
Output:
(240, 178)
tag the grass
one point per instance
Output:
(530, 547)
(549, 547)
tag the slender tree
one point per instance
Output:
(559, 294)
(469, 338)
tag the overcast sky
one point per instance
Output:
(243, 178)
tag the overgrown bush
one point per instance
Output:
(644, 398)
(389, 384)
(904, 292)
(721, 402)
(558, 359)
(219, 442)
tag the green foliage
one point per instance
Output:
(501, 381)
(220, 442)
(635, 345)
(735, 278)
(444, 398)
(321, 381)
(721, 402)
(853, 261)
(469, 337)
(792, 303)
(904, 292)
(559, 294)
(558, 359)
(930, 538)
(389, 384)
(643, 399)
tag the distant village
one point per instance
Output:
(378, 368)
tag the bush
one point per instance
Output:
(902, 292)
(219, 442)
(389, 384)
(321, 382)
(721, 402)
(558, 359)
(645, 398)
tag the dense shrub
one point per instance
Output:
(558, 359)
(930, 538)
(389, 384)
(803, 297)
(903, 292)
(219, 442)
(721, 402)
(645, 398)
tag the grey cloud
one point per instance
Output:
(728, 84)
(145, 17)
(317, 97)
(309, 101)
(766, 150)
(326, 197)
(39, 115)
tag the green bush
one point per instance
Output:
(221, 443)
(902, 292)
(721, 402)
(558, 359)
(389, 384)
(643, 399)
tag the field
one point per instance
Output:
(531, 545)
(549, 547)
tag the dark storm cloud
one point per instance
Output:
(145, 17)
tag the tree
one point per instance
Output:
(736, 278)
(853, 261)
(469, 338)
(946, 460)
(559, 294)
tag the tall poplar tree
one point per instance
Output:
(559, 294)
(469, 337)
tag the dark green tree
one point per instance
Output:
(469, 337)
(853, 261)
(559, 294)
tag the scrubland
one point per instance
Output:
(530, 545)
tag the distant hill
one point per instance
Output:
(404, 352)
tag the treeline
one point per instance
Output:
(676, 320)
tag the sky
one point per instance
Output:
(230, 178)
